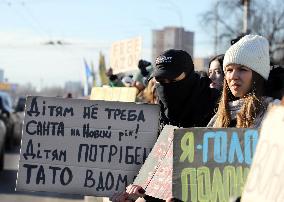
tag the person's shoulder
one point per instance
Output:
(212, 121)
(202, 79)
(275, 84)
(267, 102)
(270, 100)
(195, 78)
(202, 85)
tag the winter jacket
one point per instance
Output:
(187, 103)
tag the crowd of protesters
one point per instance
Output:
(180, 91)
(236, 93)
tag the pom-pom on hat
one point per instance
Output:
(251, 51)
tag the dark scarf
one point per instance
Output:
(173, 98)
(187, 103)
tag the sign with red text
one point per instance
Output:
(84, 147)
(211, 164)
(198, 164)
(125, 54)
(155, 176)
(266, 177)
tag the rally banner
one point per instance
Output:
(155, 176)
(84, 147)
(211, 164)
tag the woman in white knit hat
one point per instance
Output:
(246, 66)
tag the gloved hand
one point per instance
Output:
(130, 195)
(142, 64)
(113, 77)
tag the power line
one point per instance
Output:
(23, 18)
(30, 13)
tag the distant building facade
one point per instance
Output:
(201, 64)
(1, 75)
(172, 38)
(74, 87)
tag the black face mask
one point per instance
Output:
(173, 97)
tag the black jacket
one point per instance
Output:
(187, 103)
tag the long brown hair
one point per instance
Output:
(252, 105)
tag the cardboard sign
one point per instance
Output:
(122, 94)
(125, 54)
(84, 147)
(211, 164)
(5, 86)
(155, 176)
(266, 177)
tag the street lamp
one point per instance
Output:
(216, 27)
(246, 15)
(173, 7)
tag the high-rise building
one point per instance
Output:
(1, 75)
(172, 37)
(201, 64)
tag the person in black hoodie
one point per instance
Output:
(185, 97)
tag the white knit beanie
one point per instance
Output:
(251, 51)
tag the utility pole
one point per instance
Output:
(216, 28)
(246, 16)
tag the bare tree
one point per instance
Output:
(54, 91)
(266, 19)
(24, 90)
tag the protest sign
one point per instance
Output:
(125, 54)
(122, 94)
(211, 164)
(266, 177)
(155, 176)
(84, 147)
(5, 86)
